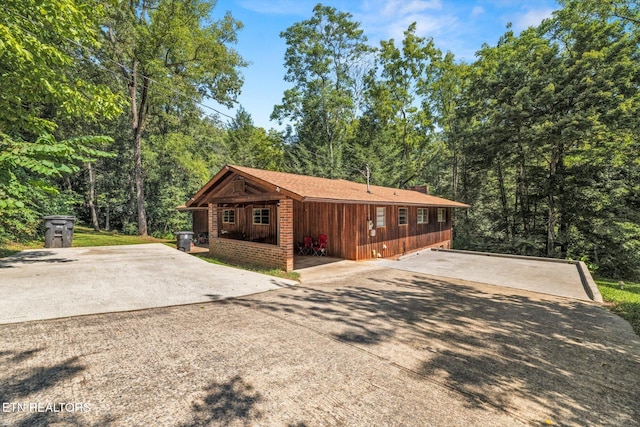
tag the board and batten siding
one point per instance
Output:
(346, 227)
(243, 227)
(200, 221)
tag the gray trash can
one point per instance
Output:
(184, 239)
(58, 231)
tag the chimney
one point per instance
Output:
(420, 188)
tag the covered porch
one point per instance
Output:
(251, 222)
(259, 230)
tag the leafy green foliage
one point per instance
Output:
(251, 146)
(551, 138)
(38, 48)
(182, 163)
(26, 169)
(402, 129)
(171, 55)
(325, 59)
(38, 53)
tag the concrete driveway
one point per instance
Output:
(379, 347)
(537, 275)
(52, 283)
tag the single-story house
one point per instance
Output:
(261, 217)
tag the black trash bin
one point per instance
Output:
(58, 231)
(184, 239)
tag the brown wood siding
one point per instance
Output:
(200, 221)
(245, 229)
(400, 239)
(348, 235)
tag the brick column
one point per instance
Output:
(213, 224)
(285, 235)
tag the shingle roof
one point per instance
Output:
(310, 188)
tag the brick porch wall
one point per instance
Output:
(213, 222)
(250, 253)
(259, 254)
(285, 237)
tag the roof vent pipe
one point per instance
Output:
(368, 176)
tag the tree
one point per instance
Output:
(39, 53)
(602, 52)
(325, 57)
(167, 49)
(250, 146)
(444, 93)
(397, 105)
(553, 139)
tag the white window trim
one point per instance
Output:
(442, 215)
(406, 217)
(425, 216)
(384, 217)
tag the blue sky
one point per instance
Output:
(459, 26)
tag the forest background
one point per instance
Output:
(102, 117)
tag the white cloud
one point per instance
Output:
(426, 26)
(279, 7)
(403, 7)
(531, 18)
(394, 7)
(384, 19)
(477, 11)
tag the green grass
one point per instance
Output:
(624, 301)
(292, 275)
(82, 237)
(10, 248)
(85, 236)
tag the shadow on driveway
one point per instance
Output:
(22, 382)
(538, 358)
(226, 403)
(32, 257)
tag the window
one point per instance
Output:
(229, 216)
(403, 216)
(261, 216)
(423, 216)
(442, 217)
(380, 214)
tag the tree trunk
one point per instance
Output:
(564, 225)
(138, 116)
(556, 201)
(142, 214)
(92, 198)
(503, 201)
(454, 175)
(551, 196)
(551, 226)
